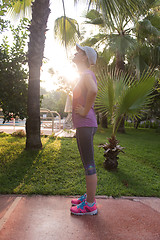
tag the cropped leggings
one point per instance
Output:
(84, 136)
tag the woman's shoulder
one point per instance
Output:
(89, 74)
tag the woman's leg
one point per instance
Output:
(91, 185)
(85, 146)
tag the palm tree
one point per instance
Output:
(116, 39)
(121, 95)
(40, 13)
(147, 51)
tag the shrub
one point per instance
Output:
(19, 133)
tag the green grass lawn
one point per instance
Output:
(57, 168)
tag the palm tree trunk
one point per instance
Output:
(120, 66)
(121, 128)
(104, 121)
(40, 13)
(64, 25)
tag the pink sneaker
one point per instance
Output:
(77, 201)
(84, 209)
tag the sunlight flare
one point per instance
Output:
(63, 69)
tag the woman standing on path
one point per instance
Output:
(84, 120)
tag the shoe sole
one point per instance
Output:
(87, 213)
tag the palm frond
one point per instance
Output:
(95, 18)
(147, 27)
(105, 102)
(107, 54)
(67, 33)
(21, 8)
(111, 9)
(154, 18)
(93, 40)
(93, 14)
(140, 63)
(121, 43)
(135, 99)
(121, 94)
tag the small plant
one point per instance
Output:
(112, 149)
(19, 133)
(3, 134)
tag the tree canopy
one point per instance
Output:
(13, 73)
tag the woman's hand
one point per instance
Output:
(80, 110)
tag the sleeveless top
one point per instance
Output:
(79, 97)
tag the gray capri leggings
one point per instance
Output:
(84, 136)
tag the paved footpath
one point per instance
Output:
(48, 218)
(44, 131)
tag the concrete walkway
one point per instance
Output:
(49, 218)
(44, 131)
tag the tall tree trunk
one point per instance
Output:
(40, 13)
(121, 128)
(104, 121)
(120, 65)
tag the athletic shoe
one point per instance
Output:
(84, 209)
(77, 201)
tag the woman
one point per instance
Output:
(84, 120)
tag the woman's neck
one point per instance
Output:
(82, 68)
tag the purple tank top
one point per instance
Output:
(79, 97)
